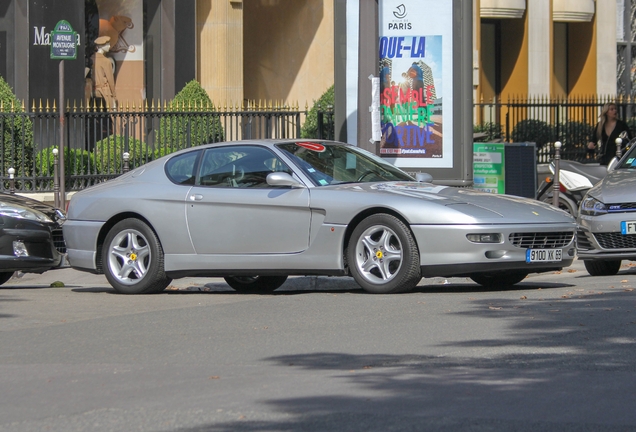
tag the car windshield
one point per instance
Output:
(629, 161)
(329, 163)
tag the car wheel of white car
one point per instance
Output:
(5, 276)
(133, 259)
(255, 284)
(602, 268)
(382, 255)
(495, 280)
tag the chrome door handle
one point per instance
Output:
(196, 197)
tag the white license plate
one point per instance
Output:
(628, 227)
(544, 255)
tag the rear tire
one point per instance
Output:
(133, 259)
(497, 280)
(255, 284)
(382, 255)
(602, 268)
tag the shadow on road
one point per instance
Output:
(560, 364)
(298, 286)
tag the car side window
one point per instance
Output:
(180, 169)
(239, 167)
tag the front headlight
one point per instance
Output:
(20, 212)
(590, 206)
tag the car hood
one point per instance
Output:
(32, 204)
(617, 187)
(476, 204)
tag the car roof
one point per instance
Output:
(260, 142)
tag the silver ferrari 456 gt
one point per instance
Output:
(256, 212)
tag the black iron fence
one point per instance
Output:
(545, 121)
(100, 145)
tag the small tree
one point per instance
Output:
(190, 120)
(492, 130)
(76, 162)
(109, 154)
(576, 135)
(324, 103)
(536, 131)
(16, 133)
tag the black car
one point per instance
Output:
(31, 238)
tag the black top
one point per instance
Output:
(607, 150)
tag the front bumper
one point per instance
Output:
(445, 251)
(600, 238)
(42, 247)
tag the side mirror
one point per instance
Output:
(283, 179)
(612, 164)
(423, 177)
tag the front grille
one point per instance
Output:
(583, 241)
(541, 240)
(615, 240)
(623, 207)
(58, 240)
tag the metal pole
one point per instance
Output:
(126, 157)
(11, 180)
(556, 184)
(62, 192)
(56, 179)
(619, 149)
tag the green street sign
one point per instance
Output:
(63, 42)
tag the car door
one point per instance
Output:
(232, 210)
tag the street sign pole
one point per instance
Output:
(63, 47)
(62, 198)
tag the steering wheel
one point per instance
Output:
(366, 173)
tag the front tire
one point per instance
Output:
(255, 284)
(5, 276)
(133, 259)
(499, 279)
(382, 255)
(602, 268)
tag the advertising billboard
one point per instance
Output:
(416, 82)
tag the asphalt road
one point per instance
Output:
(557, 352)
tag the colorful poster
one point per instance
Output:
(122, 22)
(415, 52)
(118, 59)
(488, 167)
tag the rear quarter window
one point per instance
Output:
(180, 169)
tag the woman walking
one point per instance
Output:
(607, 130)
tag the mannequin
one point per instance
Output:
(104, 73)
